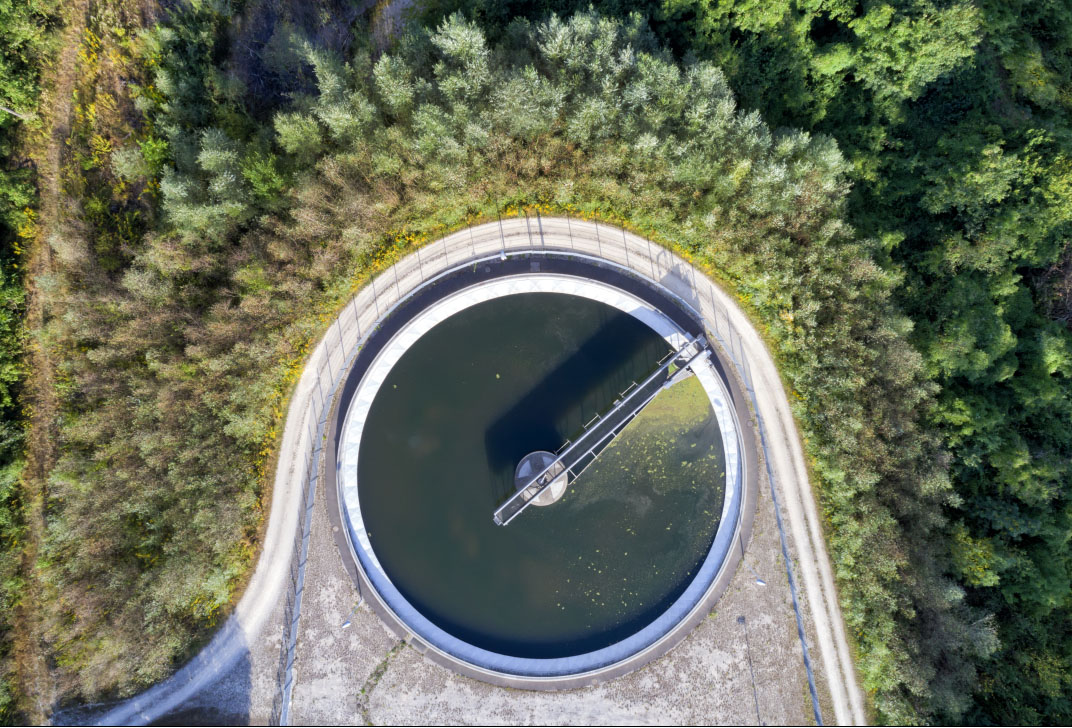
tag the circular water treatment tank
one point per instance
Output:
(474, 389)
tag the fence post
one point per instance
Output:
(502, 237)
(747, 372)
(714, 308)
(357, 316)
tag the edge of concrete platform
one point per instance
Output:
(661, 299)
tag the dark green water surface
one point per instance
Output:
(448, 427)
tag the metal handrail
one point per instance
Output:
(523, 494)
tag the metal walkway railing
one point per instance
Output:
(580, 453)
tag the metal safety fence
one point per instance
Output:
(534, 236)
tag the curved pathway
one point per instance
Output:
(265, 613)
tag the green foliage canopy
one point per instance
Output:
(950, 204)
(189, 354)
(25, 41)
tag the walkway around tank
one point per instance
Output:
(575, 456)
(254, 629)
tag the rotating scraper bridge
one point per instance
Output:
(573, 457)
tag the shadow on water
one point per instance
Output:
(584, 384)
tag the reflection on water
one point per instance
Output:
(457, 413)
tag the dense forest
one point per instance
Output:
(887, 187)
(25, 45)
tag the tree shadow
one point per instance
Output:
(225, 701)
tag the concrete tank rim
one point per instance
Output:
(660, 635)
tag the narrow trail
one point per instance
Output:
(56, 107)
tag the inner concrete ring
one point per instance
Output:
(486, 278)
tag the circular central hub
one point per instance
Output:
(535, 463)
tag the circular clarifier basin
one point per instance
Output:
(446, 430)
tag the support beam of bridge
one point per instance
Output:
(579, 454)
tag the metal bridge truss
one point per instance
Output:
(577, 455)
